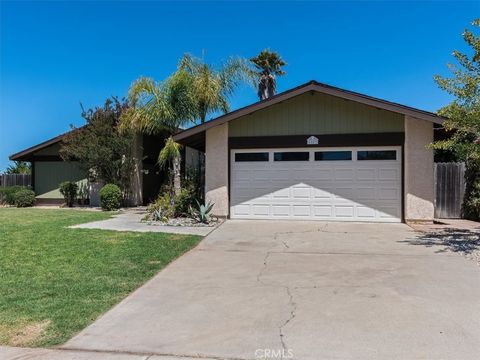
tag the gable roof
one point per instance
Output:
(314, 86)
(26, 155)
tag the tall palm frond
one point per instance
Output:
(159, 106)
(269, 65)
(211, 88)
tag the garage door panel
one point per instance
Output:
(388, 174)
(322, 211)
(391, 193)
(366, 212)
(387, 212)
(343, 174)
(301, 174)
(323, 193)
(242, 175)
(344, 193)
(278, 174)
(261, 209)
(366, 174)
(301, 210)
(322, 174)
(241, 209)
(281, 194)
(281, 210)
(300, 192)
(366, 193)
(346, 211)
(324, 190)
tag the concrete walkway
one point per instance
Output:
(257, 289)
(131, 220)
(15, 353)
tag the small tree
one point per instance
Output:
(169, 156)
(463, 117)
(19, 167)
(69, 190)
(100, 148)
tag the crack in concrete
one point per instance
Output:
(262, 270)
(293, 305)
(291, 302)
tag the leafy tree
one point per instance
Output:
(269, 65)
(19, 167)
(463, 117)
(100, 148)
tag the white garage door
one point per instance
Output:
(343, 184)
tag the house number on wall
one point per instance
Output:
(312, 140)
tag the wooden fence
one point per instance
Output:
(15, 179)
(449, 190)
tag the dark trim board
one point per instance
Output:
(333, 140)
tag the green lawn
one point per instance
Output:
(54, 281)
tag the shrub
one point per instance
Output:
(24, 198)
(110, 197)
(201, 212)
(69, 191)
(163, 208)
(7, 194)
(184, 201)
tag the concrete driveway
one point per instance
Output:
(304, 290)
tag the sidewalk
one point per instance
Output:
(131, 220)
(16, 353)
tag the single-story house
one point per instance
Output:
(49, 170)
(318, 152)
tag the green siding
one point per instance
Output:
(51, 150)
(49, 175)
(316, 114)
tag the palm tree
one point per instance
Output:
(210, 87)
(159, 107)
(190, 94)
(169, 156)
(268, 64)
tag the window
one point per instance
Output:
(332, 155)
(291, 156)
(257, 156)
(377, 155)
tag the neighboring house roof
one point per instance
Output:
(314, 86)
(27, 154)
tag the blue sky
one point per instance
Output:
(55, 55)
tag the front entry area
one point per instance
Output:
(335, 184)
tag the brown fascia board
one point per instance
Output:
(317, 87)
(25, 154)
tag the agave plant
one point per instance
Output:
(202, 211)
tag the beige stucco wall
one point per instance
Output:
(216, 168)
(419, 192)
